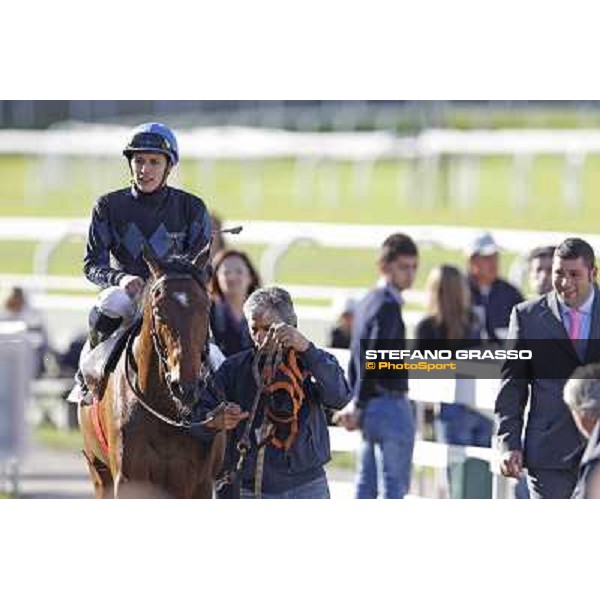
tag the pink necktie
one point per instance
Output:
(575, 324)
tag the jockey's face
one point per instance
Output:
(149, 170)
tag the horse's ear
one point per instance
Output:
(151, 260)
(201, 259)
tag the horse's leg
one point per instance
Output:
(101, 476)
(99, 472)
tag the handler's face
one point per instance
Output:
(572, 280)
(259, 326)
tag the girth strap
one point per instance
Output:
(97, 423)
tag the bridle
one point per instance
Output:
(132, 367)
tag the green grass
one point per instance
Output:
(68, 187)
(267, 190)
(58, 439)
(311, 265)
(343, 460)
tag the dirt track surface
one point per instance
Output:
(46, 474)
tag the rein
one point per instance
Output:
(273, 358)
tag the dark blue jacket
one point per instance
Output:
(497, 304)
(324, 385)
(171, 221)
(590, 462)
(377, 317)
(230, 336)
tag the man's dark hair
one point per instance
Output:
(397, 245)
(541, 252)
(574, 248)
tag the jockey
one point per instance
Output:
(169, 220)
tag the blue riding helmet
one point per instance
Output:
(153, 137)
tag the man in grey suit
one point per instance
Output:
(567, 319)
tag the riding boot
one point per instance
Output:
(80, 392)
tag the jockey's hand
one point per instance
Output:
(225, 417)
(288, 337)
(132, 285)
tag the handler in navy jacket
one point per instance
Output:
(296, 471)
(381, 408)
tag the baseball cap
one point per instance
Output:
(484, 245)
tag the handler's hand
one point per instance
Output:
(225, 417)
(511, 464)
(288, 337)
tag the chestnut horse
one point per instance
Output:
(144, 448)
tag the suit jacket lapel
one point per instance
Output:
(593, 347)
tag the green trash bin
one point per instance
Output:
(470, 478)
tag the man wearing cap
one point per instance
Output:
(492, 296)
(562, 330)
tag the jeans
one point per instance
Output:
(463, 426)
(388, 431)
(317, 489)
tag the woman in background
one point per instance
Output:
(234, 279)
(452, 324)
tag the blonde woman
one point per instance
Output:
(452, 324)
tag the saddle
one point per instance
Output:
(98, 363)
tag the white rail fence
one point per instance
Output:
(478, 394)
(427, 154)
(278, 236)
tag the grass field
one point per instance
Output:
(302, 265)
(268, 190)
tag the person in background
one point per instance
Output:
(380, 408)
(16, 307)
(540, 269)
(493, 298)
(563, 327)
(341, 334)
(582, 396)
(450, 323)
(234, 278)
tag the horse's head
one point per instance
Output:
(177, 307)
